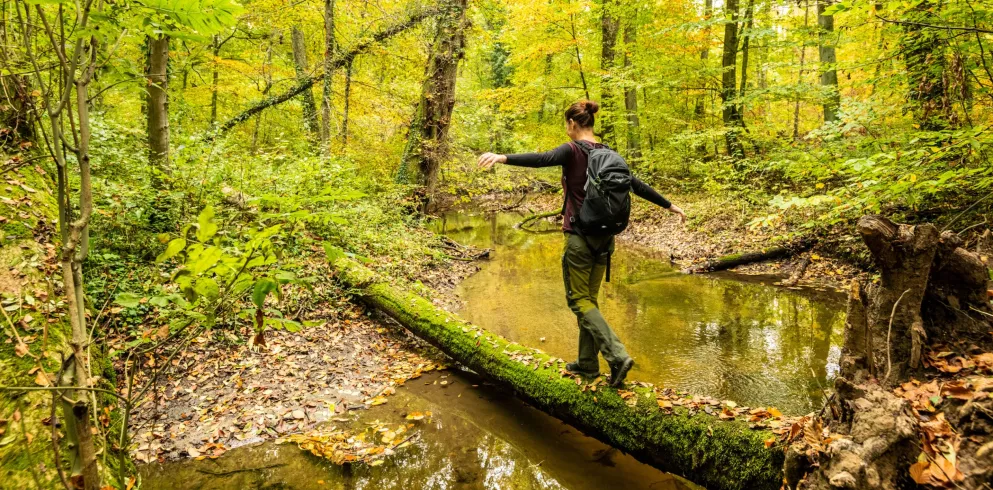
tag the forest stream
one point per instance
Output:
(728, 336)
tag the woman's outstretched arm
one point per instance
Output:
(651, 195)
(551, 158)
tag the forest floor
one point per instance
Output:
(219, 394)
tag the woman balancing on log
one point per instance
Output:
(596, 183)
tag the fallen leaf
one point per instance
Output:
(379, 400)
(919, 472)
(418, 415)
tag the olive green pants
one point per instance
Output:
(583, 271)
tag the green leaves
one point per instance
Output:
(838, 7)
(174, 247)
(206, 227)
(208, 288)
(203, 17)
(127, 300)
(263, 287)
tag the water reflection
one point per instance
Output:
(743, 341)
(475, 460)
(477, 438)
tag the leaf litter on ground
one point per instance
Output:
(219, 395)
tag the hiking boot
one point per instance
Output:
(620, 371)
(573, 367)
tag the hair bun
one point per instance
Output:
(592, 107)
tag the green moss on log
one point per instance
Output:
(715, 453)
(25, 454)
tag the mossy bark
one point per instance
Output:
(738, 259)
(715, 453)
(25, 442)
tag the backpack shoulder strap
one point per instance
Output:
(585, 146)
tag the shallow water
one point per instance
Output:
(477, 438)
(726, 336)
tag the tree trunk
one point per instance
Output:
(956, 306)
(772, 253)
(427, 144)
(544, 93)
(15, 114)
(931, 296)
(631, 96)
(828, 58)
(310, 123)
(330, 50)
(923, 51)
(799, 76)
(715, 453)
(609, 26)
(729, 89)
(158, 102)
(348, 98)
(579, 57)
(215, 47)
(267, 78)
(749, 11)
(886, 340)
(708, 11)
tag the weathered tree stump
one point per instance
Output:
(885, 331)
(931, 290)
(956, 306)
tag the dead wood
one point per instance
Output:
(772, 253)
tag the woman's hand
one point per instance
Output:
(486, 160)
(677, 210)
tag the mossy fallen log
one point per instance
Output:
(771, 253)
(712, 452)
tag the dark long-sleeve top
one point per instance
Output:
(573, 161)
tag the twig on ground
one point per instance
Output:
(967, 228)
(516, 205)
